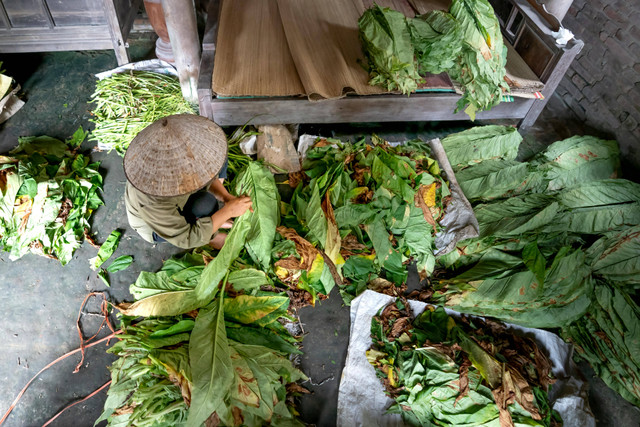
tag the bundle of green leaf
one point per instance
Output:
(236, 158)
(608, 337)
(466, 43)
(556, 233)
(359, 215)
(445, 371)
(387, 45)
(223, 364)
(48, 192)
(536, 218)
(236, 346)
(126, 103)
(437, 40)
(481, 65)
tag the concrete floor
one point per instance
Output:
(40, 299)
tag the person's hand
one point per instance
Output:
(237, 206)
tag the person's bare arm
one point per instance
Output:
(219, 191)
(232, 209)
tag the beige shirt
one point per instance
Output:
(147, 214)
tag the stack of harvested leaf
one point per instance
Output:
(360, 214)
(466, 43)
(126, 103)
(225, 362)
(48, 192)
(213, 337)
(557, 234)
(446, 371)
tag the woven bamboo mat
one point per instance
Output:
(252, 55)
(292, 47)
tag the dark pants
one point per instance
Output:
(200, 204)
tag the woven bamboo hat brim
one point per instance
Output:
(175, 155)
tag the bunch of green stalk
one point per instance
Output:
(237, 159)
(128, 102)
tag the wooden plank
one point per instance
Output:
(127, 23)
(558, 72)
(18, 40)
(118, 41)
(205, 93)
(6, 23)
(47, 13)
(384, 108)
(209, 41)
(210, 37)
(180, 16)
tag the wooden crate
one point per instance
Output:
(55, 25)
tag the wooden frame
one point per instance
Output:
(389, 107)
(111, 34)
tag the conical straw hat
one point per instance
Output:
(175, 155)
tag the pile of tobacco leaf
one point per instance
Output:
(48, 191)
(211, 347)
(559, 246)
(466, 43)
(359, 214)
(442, 370)
(126, 103)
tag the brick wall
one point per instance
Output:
(602, 87)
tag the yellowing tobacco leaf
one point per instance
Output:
(429, 195)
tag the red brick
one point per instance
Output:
(612, 13)
(617, 54)
(630, 123)
(578, 81)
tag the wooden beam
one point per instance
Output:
(119, 43)
(374, 108)
(180, 16)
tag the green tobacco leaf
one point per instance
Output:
(617, 257)
(391, 180)
(258, 182)
(168, 303)
(608, 338)
(184, 325)
(120, 263)
(260, 336)
(437, 40)
(315, 219)
(77, 138)
(211, 367)
(600, 193)
(248, 279)
(418, 238)
(481, 143)
(493, 179)
(245, 388)
(215, 271)
(534, 260)
(148, 284)
(353, 215)
(578, 160)
(595, 220)
(389, 258)
(249, 309)
(519, 298)
(268, 360)
(106, 249)
(492, 264)
(386, 42)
